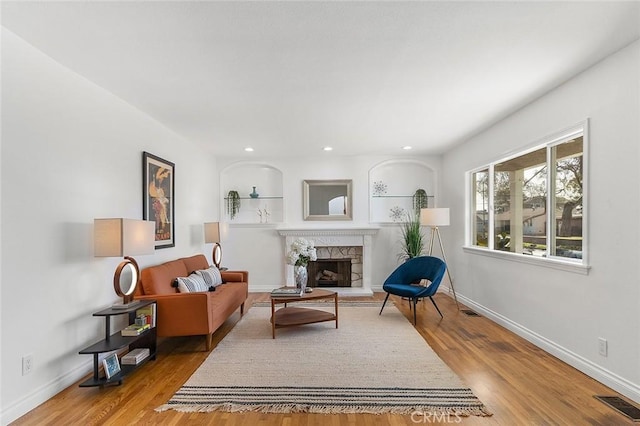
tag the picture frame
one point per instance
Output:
(111, 365)
(158, 198)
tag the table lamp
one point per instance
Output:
(124, 238)
(435, 218)
(212, 235)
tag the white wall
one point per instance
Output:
(72, 152)
(261, 251)
(566, 312)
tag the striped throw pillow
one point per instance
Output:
(192, 283)
(211, 276)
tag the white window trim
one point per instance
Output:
(578, 266)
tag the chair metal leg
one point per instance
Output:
(415, 300)
(434, 304)
(384, 303)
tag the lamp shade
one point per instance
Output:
(434, 217)
(212, 232)
(123, 237)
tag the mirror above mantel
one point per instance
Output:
(327, 199)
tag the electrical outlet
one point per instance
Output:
(602, 346)
(27, 364)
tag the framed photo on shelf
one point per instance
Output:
(111, 365)
(158, 198)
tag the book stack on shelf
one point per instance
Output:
(136, 356)
(287, 292)
(135, 329)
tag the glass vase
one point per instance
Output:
(300, 276)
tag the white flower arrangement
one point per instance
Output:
(302, 251)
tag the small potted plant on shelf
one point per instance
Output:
(420, 200)
(233, 204)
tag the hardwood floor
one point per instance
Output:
(519, 383)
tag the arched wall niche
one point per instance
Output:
(392, 186)
(264, 205)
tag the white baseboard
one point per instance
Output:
(619, 384)
(44, 393)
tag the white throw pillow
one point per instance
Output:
(192, 283)
(210, 276)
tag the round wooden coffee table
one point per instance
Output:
(290, 316)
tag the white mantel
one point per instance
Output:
(337, 236)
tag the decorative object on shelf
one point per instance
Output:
(435, 218)
(111, 365)
(302, 251)
(379, 188)
(412, 237)
(254, 194)
(233, 204)
(264, 215)
(158, 198)
(420, 201)
(396, 213)
(212, 235)
(124, 237)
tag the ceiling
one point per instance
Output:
(288, 78)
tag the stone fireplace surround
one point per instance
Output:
(336, 237)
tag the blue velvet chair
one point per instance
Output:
(413, 270)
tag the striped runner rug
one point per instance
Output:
(371, 364)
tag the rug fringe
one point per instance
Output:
(324, 409)
(329, 303)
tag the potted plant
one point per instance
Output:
(420, 200)
(233, 204)
(412, 238)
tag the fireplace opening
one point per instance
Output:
(329, 273)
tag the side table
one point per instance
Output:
(112, 342)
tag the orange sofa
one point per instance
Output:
(191, 314)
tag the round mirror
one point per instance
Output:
(126, 279)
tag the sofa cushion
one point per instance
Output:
(158, 279)
(194, 263)
(211, 276)
(192, 283)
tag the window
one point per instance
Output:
(532, 203)
(481, 211)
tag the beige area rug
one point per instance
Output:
(370, 364)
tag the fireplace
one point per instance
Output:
(329, 273)
(347, 245)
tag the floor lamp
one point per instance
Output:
(435, 218)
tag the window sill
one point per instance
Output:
(568, 266)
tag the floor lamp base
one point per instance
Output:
(435, 231)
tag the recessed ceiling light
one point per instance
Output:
(327, 148)
(406, 148)
(248, 149)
